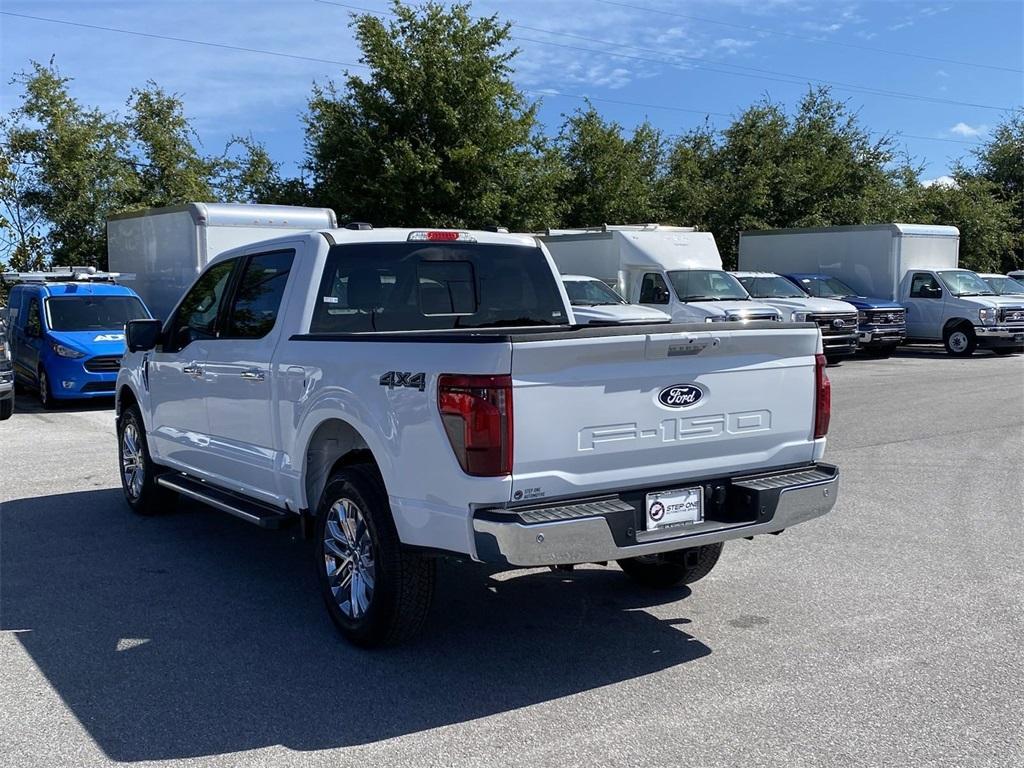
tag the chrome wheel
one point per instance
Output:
(132, 463)
(958, 341)
(348, 558)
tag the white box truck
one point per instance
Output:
(677, 270)
(161, 251)
(915, 265)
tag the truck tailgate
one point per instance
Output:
(655, 406)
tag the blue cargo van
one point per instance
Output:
(67, 338)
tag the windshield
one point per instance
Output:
(826, 287)
(773, 287)
(960, 282)
(591, 293)
(1005, 286)
(93, 313)
(707, 285)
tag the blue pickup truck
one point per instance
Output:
(881, 324)
(67, 338)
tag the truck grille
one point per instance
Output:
(103, 364)
(887, 317)
(752, 316)
(831, 324)
(1012, 314)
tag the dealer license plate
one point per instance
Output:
(666, 509)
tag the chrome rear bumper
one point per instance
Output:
(611, 527)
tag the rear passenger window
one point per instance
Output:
(258, 297)
(416, 286)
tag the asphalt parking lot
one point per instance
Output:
(887, 633)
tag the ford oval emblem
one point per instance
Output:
(838, 322)
(680, 396)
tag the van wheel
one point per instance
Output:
(46, 398)
(6, 408)
(377, 592)
(138, 472)
(672, 569)
(960, 341)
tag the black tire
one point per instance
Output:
(6, 408)
(389, 594)
(672, 569)
(883, 351)
(145, 497)
(960, 340)
(834, 359)
(46, 398)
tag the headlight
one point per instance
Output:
(862, 316)
(800, 316)
(988, 315)
(714, 319)
(63, 351)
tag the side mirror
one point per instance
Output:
(142, 335)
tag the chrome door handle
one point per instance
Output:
(193, 369)
(253, 374)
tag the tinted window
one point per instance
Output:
(427, 286)
(33, 323)
(196, 317)
(653, 289)
(826, 287)
(924, 286)
(93, 313)
(258, 297)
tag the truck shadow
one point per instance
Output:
(27, 402)
(194, 634)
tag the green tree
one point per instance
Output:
(610, 179)
(66, 167)
(1001, 162)
(767, 169)
(436, 133)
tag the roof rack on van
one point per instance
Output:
(63, 275)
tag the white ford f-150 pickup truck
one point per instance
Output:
(408, 394)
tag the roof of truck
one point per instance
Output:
(933, 230)
(752, 273)
(401, 235)
(77, 289)
(244, 215)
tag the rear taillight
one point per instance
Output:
(823, 397)
(477, 416)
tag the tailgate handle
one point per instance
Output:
(660, 346)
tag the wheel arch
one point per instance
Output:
(955, 322)
(334, 443)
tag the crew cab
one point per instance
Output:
(408, 394)
(836, 319)
(67, 334)
(881, 324)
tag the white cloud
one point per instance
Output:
(970, 131)
(900, 25)
(941, 73)
(814, 26)
(732, 45)
(940, 181)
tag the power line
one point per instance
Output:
(182, 40)
(764, 74)
(809, 38)
(545, 92)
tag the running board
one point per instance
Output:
(255, 512)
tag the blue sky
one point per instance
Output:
(671, 61)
